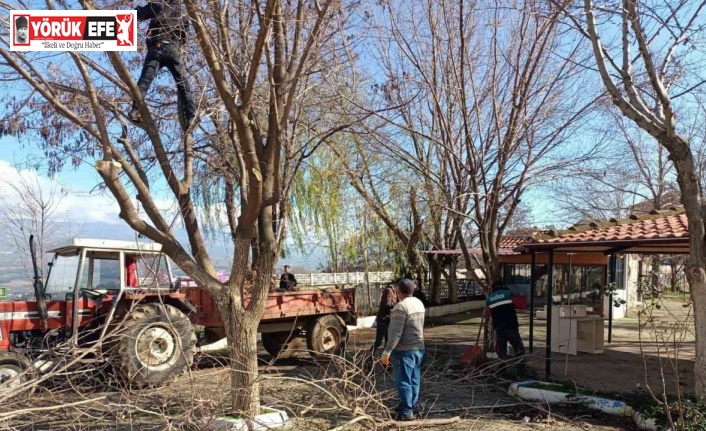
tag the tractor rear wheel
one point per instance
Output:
(15, 369)
(157, 343)
(327, 336)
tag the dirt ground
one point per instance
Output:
(653, 350)
(629, 365)
(634, 360)
(322, 396)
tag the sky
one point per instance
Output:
(92, 206)
(97, 211)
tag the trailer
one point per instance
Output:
(316, 318)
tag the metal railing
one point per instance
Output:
(339, 278)
(467, 289)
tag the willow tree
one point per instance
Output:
(320, 207)
(256, 68)
(652, 68)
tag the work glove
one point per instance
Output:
(385, 359)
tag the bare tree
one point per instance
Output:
(259, 65)
(651, 69)
(631, 174)
(29, 206)
(480, 98)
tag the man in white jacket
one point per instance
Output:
(405, 347)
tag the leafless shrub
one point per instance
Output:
(668, 336)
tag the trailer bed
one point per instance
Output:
(280, 306)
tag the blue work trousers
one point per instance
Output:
(407, 373)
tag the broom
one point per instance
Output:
(473, 352)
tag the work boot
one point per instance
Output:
(522, 370)
(134, 115)
(399, 417)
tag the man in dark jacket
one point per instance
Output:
(388, 300)
(419, 294)
(165, 36)
(504, 316)
(287, 281)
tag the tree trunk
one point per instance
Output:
(683, 159)
(242, 342)
(696, 277)
(654, 270)
(434, 282)
(488, 331)
(493, 268)
(415, 264)
(241, 323)
(453, 283)
(676, 266)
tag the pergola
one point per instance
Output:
(658, 232)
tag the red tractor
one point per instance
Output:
(122, 295)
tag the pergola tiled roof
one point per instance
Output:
(512, 242)
(508, 247)
(663, 231)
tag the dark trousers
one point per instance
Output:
(167, 55)
(508, 335)
(380, 335)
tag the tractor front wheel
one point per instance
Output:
(15, 369)
(157, 343)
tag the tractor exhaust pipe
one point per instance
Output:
(38, 286)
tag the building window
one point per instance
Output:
(620, 272)
(517, 274)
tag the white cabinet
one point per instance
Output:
(572, 311)
(580, 333)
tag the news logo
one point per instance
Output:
(73, 30)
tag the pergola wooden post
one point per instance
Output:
(550, 303)
(533, 292)
(612, 262)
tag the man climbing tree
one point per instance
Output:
(165, 36)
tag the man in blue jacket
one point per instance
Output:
(504, 316)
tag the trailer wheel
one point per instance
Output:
(15, 369)
(157, 343)
(327, 336)
(280, 344)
